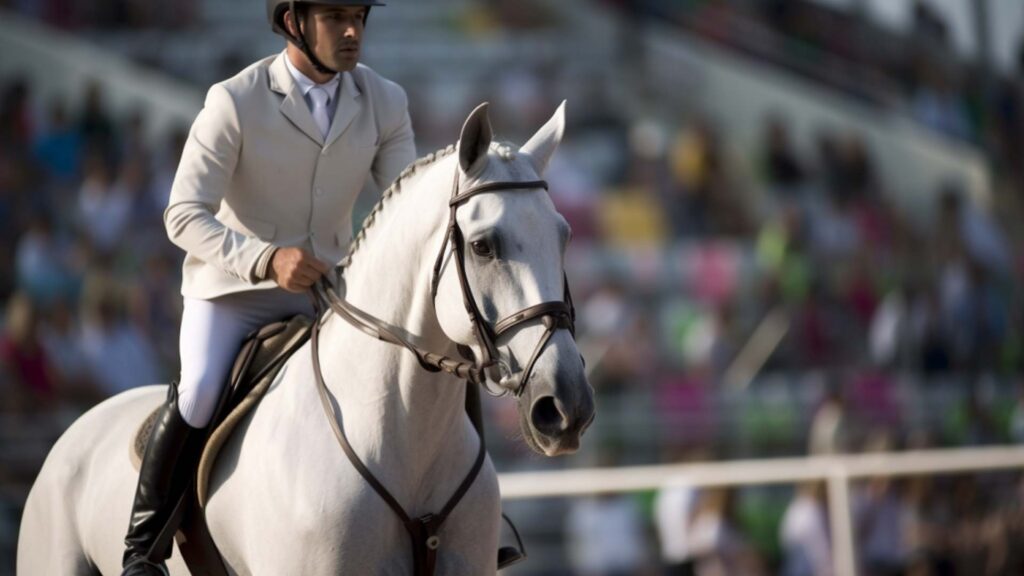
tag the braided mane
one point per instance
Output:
(394, 189)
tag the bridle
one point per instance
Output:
(555, 315)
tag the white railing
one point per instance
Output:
(835, 471)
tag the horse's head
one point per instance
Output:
(511, 243)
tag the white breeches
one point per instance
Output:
(211, 335)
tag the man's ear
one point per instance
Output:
(289, 23)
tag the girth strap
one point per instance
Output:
(423, 530)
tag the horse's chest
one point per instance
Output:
(330, 526)
(292, 503)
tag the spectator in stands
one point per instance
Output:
(974, 531)
(157, 303)
(58, 148)
(1016, 431)
(164, 166)
(884, 522)
(132, 142)
(16, 124)
(961, 221)
(95, 126)
(726, 339)
(673, 513)
(118, 355)
(605, 533)
(1013, 525)
(44, 270)
(890, 334)
(831, 427)
(717, 542)
(829, 173)
(928, 25)
(972, 423)
(61, 337)
(23, 360)
(938, 103)
(971, 256)
(708, 200)
(816, 334)
(782, 168)
(605, 536)
(675, 506)
(805, 534)
(104, 204)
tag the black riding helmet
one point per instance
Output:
(275, 14)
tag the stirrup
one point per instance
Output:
(509, 555)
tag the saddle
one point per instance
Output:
(261, 357)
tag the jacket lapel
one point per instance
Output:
(294, 105)
(348, 108)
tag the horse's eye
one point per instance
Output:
(482, 248)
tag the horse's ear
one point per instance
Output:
(476, 138)
(543, 144)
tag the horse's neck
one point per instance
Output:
(392, 407)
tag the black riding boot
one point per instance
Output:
(168, 466)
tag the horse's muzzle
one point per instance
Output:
(558, 424)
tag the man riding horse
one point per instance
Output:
(260, 228)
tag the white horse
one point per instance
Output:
(284, 499)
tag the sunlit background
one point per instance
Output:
(797, 231)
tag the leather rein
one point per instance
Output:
(554, 314)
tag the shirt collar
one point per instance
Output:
(305, 84)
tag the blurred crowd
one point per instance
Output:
(108, 14)
(88, 280)
(677, 264)
(862, 288)
(813, 262)
(919, 526)
(918, 70)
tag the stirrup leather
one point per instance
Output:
(509, 555)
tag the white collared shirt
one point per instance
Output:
(305, 84)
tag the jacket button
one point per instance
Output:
(319, 191)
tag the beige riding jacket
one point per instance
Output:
(256, 173)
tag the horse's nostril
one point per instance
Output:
(547, 416)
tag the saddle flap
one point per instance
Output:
(260, 358)
(262, 355)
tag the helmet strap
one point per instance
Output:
(300, 41)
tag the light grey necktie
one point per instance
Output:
(321, 100)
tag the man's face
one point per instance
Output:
(335, 34)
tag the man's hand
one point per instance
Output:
(295, 270)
